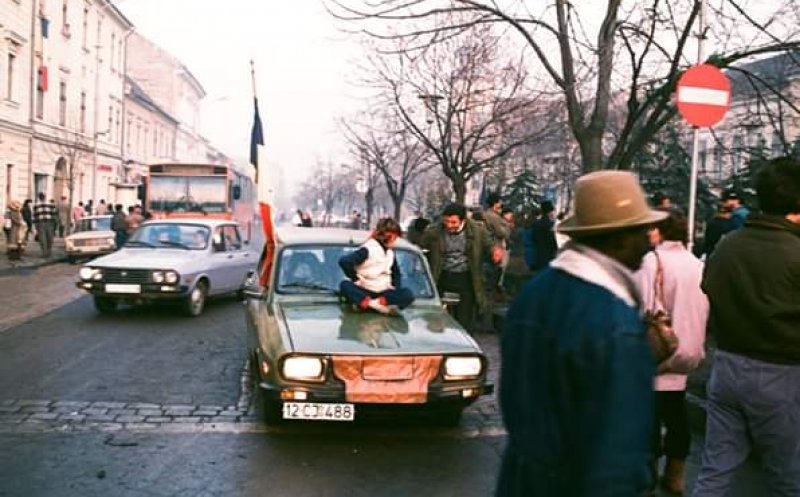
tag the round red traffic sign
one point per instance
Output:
(703, 95)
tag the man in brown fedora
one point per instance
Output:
(576, 387)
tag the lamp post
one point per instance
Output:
(96, 118)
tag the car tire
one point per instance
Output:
(196, 301)
(273, 411)
(105, 305)
(71, 259)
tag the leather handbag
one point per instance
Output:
(660, 334)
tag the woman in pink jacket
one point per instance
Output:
(670, 279)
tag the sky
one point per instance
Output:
(303, 64)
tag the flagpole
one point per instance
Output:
(253, 77)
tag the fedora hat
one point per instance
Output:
(14, 205)
(609, 201)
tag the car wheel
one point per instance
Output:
(105, 305)
(196, 300)
(449, 417)
(71, 259)
(273, 411)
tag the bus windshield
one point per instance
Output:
(188, 193)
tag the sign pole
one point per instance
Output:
(696, 138)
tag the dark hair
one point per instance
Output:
(778, 186)
(492, 198)
(455, 210)
(547, 207)
(420, 224)
(506, 210)
(385, 226)
(659, 197)
(730, 195)
(675, 227)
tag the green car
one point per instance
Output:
(315, 358)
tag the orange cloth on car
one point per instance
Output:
(386, 380)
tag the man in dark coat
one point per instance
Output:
(576, 387)
(544, 238)
(753, 282)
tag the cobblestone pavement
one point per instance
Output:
(37, 415)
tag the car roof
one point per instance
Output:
(211, 223)
(333, 236)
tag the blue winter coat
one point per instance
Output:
(576, 392)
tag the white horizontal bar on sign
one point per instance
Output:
(698, 95)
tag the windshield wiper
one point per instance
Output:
(138, 243)
(174, 244)
(307, 286)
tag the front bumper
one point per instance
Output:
(147, 291)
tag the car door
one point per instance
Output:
(219, 269)
(240, 258)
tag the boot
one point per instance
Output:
(672, 480)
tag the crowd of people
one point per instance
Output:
(43, 220)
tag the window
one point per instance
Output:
(232, 239)
(128, 136)
(83, 112)
(109, 128)
(11, 74)
(62, 103)
(39, 102)
(85, 30)
(111, 49)
(118, 132)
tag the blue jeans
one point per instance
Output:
(401, 297)
(752, 405)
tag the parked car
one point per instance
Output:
(184, 260)
(316, 358)
(92, 237)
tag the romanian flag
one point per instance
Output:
(258, 161)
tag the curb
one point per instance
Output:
(5, 271)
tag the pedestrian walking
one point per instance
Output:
(355, 220)
(718, 226)
(16, 231)
(499, 234)
(134, 219)
(45, 218)
(669, 280)
(527, 236)
(374, 280)
(544, 237)
(77, 213)
(576, 386)
(102, 208)
(7, 223)
(63, 216)
(455, 249)
(119, 225)
(27, 217)
(89, 207)
(752, 282)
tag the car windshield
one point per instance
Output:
(315, 269)
(188, 193)
(172, 235)
(94, 224)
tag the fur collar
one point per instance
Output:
(594, 267)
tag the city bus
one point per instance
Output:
(219, 191)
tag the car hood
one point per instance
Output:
(331, 328)
(146, 258)
(83, 235)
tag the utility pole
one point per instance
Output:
(701, 35)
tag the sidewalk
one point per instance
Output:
(32, 257)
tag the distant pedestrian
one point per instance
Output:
(670, 280)
(16, 232)
(416, 228)
(89, 207)
(77, 213)
(134, 219)
(305, 220)
(753, 283)
(455, 250)
(102, 208)
(63, 217)
(27, 216)
(576, 386)
(45, 218)
(7, 223)
(733, 203)
(544, 237)
(355, 221)
(662, 201)
(119, 225)
(718, 226)
(374, 279)
(527, 237)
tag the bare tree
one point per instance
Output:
(71, 148)
(392, 153)
(630, 61)
(460, 99)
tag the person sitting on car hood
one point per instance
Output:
(374, 277)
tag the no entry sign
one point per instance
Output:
(703, 95)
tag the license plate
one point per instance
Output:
(321, 412)
(117, 288)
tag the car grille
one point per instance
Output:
(116, 275)
(91, 242)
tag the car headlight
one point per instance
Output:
(462, 368)
(171, 277)
(90, 273)
(111, 241)
(158, 276)
(303, 368)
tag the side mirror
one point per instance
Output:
(237, 192)
(450, 299)
(252, 289)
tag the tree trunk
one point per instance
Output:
(591, 146)
(459, 188)
(368, 199)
